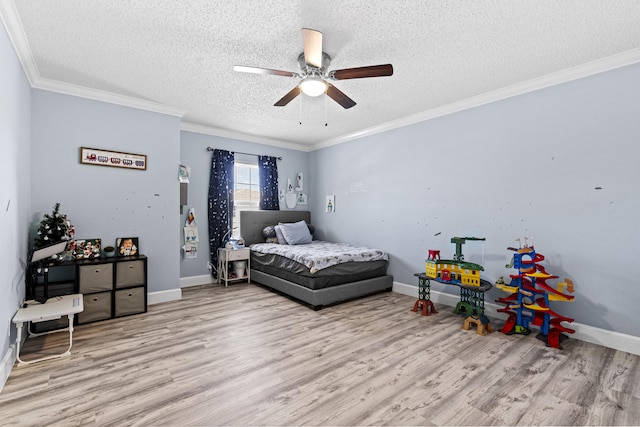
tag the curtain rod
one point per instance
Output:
(240, 152)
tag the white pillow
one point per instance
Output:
(279, 236)
(296, 233)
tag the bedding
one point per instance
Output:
(318, 255)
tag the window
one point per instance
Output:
(246, 192)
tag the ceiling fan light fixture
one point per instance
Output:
(313, 86)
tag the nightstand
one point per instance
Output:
(226, 260)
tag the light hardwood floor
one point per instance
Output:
(243, 355)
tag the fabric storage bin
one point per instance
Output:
(130, 273)
(96, 307)
(95, 278)
(129, 301)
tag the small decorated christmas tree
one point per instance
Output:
(54, 228)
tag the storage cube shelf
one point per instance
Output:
(111, 287)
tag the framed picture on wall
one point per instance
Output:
(330, 203)
(127, 246)
(116, 159)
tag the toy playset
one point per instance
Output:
(457, 272)
(530, 296)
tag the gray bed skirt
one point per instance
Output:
(327, 296)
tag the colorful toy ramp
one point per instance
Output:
(555, 336)
(555, 294)
(529, 297)
(510, 324)
(512, 320)
(555, 317)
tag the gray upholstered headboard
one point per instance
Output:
(253, 222)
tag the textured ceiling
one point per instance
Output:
(178, 57)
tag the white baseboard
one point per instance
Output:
(603, 337)
(176, 294)
(6, 365)
(204, 279)
(164, 296)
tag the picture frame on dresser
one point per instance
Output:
(87, 248)
(127, 246)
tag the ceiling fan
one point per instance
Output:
(314, 73)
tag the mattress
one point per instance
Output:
(318, 255)
(349, 264)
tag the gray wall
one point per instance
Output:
(106, 202)
(193, 152)
(525, 166)
(15, 175)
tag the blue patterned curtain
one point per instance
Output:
(220, 202)
(268, 177)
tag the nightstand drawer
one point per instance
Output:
(94, 278)
(237, 254)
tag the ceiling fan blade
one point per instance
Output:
(312, 41)
(256, 70)
(288, 97)
(362, 72)
(338, 96)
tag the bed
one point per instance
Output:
(327, 286)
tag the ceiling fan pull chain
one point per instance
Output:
(300, 111)
(325, 110)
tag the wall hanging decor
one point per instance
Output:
(299, 182)
(93, 156)
(330, 204)
(291, 199)
(191, 238)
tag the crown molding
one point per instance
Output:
(226, 133)
(564, 76)
(110, 97)
(11, 21)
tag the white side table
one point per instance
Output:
(226, 256)
(54, 308)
